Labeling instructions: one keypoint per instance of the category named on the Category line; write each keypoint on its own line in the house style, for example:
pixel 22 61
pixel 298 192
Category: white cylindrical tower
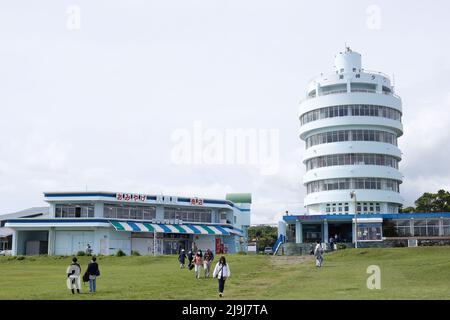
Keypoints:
pixel 350 122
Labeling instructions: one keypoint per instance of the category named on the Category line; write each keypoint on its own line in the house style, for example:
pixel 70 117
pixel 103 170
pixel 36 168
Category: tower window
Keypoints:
pixel 358 76
pixel 341 77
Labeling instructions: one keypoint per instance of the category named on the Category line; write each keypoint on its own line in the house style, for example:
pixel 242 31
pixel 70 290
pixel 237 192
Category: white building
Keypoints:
pixel 148 224
pixel 350 122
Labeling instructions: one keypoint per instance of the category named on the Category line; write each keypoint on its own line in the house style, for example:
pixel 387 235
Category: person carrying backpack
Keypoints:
pixel 73 276
pixel 222 273
pixel 92 273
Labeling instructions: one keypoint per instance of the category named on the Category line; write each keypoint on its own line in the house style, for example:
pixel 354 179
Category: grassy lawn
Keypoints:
pixel 406 273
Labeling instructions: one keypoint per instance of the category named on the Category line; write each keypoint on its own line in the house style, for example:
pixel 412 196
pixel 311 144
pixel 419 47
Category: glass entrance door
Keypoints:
pixel 171 246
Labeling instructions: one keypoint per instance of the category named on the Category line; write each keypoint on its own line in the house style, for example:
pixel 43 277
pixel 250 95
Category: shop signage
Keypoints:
pixel 166 199
pixel 131 197
pixel 196 202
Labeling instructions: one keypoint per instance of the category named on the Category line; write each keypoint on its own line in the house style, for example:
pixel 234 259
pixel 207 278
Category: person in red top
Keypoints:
pixel 207 259
pixel 198 262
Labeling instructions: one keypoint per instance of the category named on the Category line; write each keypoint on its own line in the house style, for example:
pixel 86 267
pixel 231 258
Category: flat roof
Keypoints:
pixel 348 217
pixel 108 194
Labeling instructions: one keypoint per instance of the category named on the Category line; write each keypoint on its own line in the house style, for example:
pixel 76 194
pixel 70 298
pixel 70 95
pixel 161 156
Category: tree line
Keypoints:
pixel 431 202
pixel 265 236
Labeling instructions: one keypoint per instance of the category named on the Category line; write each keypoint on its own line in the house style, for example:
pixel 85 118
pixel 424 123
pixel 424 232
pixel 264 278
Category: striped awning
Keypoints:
pixel 134 226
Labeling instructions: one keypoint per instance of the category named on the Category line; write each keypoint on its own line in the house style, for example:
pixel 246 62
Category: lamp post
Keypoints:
pixel 353 196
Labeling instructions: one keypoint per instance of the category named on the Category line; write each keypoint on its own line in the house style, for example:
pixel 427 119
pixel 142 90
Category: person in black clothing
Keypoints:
pixel 182 259
pixel 190 257
pixel 93 272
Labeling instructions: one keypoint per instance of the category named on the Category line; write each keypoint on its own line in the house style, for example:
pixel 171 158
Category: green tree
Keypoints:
pixel 433 202
pixel 265 235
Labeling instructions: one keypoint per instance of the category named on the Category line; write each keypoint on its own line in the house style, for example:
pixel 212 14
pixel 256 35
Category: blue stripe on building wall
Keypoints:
pixel 108 195
pixel 306 218
pixel 55 195
pixel 56 220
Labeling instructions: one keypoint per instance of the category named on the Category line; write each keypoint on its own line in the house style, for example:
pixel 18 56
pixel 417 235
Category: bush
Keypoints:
pixel 135 253
pixel 341 246
pixel 21 258
pixel 81 253
pixel 120 253
pixel 242 253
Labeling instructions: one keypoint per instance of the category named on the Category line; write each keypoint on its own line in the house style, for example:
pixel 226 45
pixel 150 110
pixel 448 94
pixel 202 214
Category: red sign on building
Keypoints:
pixel 196 202
pixel 131 197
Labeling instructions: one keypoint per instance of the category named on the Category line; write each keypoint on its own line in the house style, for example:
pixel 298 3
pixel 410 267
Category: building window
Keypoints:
pixel 353 183
pixel 369 232
pixel 351 110
pixel 446 227
pixel 432 227
pixel 351 135
pixel 403 228
pixel 74 210
pixel 188 214
pixel 420 228
pixel 352 159
pixel 126 212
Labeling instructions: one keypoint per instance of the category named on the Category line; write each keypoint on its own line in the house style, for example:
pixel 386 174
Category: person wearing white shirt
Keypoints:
pixel 318 253
pixel 222 273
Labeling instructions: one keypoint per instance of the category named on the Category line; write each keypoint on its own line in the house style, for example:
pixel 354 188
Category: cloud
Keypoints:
pixel 95 108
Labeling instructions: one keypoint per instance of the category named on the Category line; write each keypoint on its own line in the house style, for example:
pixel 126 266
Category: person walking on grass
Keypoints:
pixel 318 253
pixel 182 259
pixel 73 276
pixel 222 273
pixel 207 260
pixel 93 272
pixel 190 257
pixel 198 262
pixel 331 244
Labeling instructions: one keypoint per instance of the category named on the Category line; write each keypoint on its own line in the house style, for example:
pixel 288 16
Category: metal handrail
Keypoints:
pixel 352 91
pixel 377 72
pixel 364 90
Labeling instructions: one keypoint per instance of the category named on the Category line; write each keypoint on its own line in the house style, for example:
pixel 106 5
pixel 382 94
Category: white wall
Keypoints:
pixel 119 240
pixel 205 242
pixel 69 242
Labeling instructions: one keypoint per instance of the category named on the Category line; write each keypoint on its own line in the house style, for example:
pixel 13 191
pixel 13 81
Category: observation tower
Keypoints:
pixel 350 122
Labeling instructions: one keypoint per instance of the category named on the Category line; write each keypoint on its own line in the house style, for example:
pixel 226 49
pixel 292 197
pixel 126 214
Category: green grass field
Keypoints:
pixel 406 273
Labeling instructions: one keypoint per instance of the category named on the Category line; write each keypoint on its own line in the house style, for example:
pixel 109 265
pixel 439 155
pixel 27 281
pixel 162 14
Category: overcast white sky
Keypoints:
pixel 95 107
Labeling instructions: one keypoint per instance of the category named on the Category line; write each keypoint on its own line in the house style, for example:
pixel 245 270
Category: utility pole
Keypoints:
pixel 353 196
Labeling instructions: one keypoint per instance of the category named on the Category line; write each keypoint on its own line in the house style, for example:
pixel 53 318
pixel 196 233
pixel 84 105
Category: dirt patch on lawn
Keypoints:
pixel 289 260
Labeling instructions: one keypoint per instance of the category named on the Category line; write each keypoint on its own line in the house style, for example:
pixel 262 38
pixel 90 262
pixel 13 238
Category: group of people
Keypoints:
pixel 74 273
pixel 199 260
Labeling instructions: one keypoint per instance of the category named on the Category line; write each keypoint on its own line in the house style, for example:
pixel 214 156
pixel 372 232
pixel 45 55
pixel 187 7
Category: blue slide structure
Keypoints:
pixel 280 241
